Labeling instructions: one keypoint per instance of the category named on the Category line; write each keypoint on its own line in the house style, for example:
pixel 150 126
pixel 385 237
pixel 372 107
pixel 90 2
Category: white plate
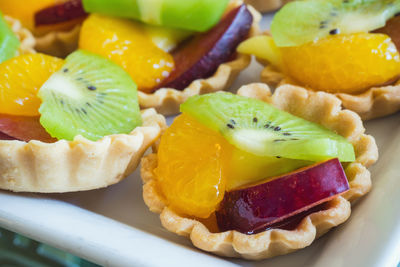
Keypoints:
pixel 113 227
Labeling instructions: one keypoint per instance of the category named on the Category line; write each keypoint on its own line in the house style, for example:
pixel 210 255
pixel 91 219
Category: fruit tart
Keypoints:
pixel 57 39
pixel 256 175
pixel 348 48
pixel 169 54
pixel 266 5
pixel 70 125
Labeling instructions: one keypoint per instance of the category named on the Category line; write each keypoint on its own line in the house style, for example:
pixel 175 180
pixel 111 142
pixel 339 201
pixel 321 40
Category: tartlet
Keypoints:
pixel 375 102
pixel 318 107
pixel 76 165
pixel 167 100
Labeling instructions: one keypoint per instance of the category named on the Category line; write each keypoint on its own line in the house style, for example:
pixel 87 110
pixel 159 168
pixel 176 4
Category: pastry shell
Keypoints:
pixel 167 100
pixel 24 35
pixel 375 102
pixel 77 165
pixel 319 107
pixel 266 5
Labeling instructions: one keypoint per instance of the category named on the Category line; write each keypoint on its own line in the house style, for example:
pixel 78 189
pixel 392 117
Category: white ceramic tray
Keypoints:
pixel 113 227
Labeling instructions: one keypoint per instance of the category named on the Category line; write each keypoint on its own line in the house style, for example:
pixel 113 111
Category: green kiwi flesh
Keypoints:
pixel 259 128
pixel 89 96
pixel 9 42
pixel 300 22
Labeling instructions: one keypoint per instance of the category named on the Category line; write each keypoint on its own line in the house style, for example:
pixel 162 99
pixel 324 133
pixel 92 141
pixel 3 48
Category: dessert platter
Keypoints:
pixel 132 135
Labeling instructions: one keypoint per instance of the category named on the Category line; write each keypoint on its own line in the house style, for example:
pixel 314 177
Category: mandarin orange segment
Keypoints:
pixel 343 63
pixel 126 43
pixel 192 162
pixel 24 10
pixel 20 79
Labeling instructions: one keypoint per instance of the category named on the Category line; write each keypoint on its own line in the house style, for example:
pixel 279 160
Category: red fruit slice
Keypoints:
pixel 200 57
pixel 3 136
pixel 256 208
pixel 62 12
pixel 23 128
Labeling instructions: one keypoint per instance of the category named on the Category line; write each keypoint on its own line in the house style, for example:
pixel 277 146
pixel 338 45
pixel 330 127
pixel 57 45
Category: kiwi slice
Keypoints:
pixel 301 22
pixel 89 96
pixel 259 128
pixel 9 42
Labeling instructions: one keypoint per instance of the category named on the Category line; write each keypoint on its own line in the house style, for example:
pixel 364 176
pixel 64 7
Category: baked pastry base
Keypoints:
pixel 77 165
pixel 319 107
pixel 167 100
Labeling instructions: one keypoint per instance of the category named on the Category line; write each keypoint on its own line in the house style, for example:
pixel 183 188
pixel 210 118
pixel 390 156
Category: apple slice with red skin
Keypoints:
pixel 258 207
pixel 23 128
pixel 200 56
pixel 392 29
pixel 3 136
pixel 65 11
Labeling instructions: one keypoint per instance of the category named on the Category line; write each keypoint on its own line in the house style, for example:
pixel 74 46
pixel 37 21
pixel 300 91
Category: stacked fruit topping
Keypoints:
pixel 239 141
pixel 87 95
pixel 325 44
pixel 156 56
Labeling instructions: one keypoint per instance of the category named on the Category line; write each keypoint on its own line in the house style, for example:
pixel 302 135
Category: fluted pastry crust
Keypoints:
pixel 167 100
pixel 318 107
pixel 24 35
pixel 77 165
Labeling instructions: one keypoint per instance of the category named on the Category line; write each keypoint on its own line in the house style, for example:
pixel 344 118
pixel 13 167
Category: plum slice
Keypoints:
pixel 200 56
pixel 259 207
pixel 62 12
pixel 23 128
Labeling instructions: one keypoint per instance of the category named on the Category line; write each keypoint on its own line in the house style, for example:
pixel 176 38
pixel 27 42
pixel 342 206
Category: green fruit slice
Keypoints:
pixel 259 128
pixel 301 22
pixel 9 42
pixel 194 15
pixel 89 96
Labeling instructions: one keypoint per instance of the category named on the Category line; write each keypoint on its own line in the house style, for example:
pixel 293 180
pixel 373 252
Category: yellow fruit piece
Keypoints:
pixel 262 46
pixel 20 79
pixel 343 63
pixel 24 10
pixel 192 162
pixel 126 43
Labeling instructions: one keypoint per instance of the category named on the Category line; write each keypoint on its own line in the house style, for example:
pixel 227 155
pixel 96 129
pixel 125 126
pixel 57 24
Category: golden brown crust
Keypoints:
pixel 319 107
pixel 375 102
pixel 77 165
pixel 59 43
pixel 167 100
pixel 24 35
pixel 266 5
